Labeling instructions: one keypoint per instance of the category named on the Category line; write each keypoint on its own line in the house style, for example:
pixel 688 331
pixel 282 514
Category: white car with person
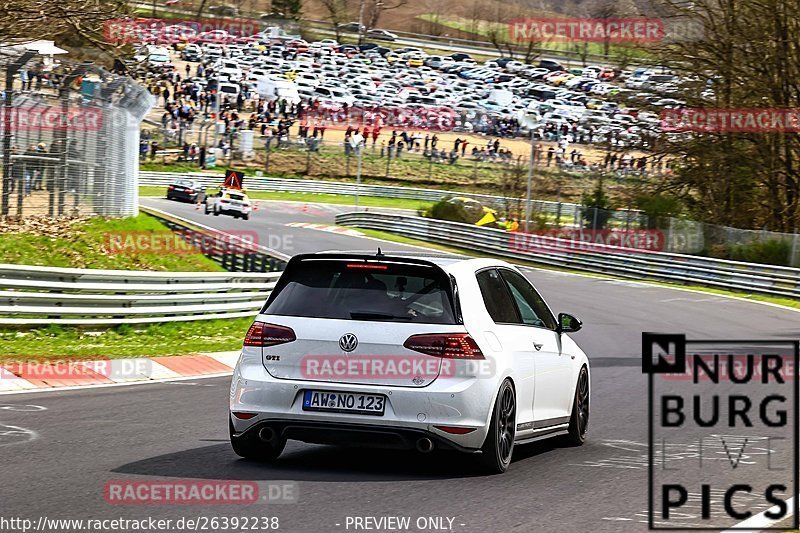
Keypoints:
pixel 233 202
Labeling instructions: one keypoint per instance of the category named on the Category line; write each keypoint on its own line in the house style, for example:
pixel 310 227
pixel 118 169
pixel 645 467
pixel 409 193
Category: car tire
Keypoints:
pixel 216 212
pixel 579 420
pixel 498 448
pixel 246 217
pixel 251 447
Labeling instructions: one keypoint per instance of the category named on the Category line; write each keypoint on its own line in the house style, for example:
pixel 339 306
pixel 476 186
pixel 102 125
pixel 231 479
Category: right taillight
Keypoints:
pixel 447 345
pixel 262 334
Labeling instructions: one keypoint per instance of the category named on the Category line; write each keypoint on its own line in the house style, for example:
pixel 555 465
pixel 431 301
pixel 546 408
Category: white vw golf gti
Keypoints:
pixel 407 352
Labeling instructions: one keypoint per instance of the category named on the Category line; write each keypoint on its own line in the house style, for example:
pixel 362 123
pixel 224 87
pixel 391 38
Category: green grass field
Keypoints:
pixel 484 29
pixel 177 338
pixel 84 243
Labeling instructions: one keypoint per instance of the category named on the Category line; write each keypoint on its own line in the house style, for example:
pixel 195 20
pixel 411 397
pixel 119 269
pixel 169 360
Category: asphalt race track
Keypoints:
pixel 58 459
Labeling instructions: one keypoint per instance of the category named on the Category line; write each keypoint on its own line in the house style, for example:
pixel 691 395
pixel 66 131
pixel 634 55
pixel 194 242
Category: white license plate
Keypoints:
pixel 344 402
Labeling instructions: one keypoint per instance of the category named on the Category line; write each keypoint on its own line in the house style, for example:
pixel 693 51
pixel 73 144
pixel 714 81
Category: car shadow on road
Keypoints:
pixel 305 462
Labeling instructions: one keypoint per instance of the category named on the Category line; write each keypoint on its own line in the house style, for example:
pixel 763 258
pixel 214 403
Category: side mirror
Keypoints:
pixel 568 323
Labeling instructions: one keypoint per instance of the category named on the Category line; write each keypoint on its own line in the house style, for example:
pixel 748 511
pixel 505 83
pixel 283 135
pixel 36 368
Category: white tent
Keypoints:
pixel 45 48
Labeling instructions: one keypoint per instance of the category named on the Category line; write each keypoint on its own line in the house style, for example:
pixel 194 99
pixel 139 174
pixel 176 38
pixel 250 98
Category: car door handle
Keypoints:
pixel 538 346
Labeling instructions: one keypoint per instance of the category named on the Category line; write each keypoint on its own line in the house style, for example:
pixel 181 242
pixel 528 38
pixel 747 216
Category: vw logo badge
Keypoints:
pixel 348 342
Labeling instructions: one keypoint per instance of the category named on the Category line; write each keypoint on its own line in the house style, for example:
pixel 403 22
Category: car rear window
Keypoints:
pixel 354 289
pixel 236 196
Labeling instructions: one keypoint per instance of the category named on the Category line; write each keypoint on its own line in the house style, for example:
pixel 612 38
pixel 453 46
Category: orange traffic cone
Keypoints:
pixel 305 208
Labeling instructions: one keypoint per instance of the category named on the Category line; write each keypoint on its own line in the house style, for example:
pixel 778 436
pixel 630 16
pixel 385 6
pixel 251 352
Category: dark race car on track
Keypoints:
pixel 186 190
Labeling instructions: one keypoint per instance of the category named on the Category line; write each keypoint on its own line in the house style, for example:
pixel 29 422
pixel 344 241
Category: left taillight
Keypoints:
pixel 446 345
pixel 263 334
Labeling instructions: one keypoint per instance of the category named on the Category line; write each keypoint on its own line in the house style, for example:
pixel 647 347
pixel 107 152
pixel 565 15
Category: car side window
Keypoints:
pixel 497 298
pixel 532 308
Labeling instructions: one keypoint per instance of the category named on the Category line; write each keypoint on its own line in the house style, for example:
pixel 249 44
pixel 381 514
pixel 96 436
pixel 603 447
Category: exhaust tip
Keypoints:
pixel 424 445
pixel 267 434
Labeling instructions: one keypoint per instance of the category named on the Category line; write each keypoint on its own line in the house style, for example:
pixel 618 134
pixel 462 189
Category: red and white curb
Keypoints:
pixel 326 227
pixel 43 376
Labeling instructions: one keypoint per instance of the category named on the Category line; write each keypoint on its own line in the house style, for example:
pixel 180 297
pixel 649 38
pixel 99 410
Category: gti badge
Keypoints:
pixel 348 342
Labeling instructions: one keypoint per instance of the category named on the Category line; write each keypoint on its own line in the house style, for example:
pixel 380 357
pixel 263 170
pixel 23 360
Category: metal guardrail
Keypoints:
pixel 31 296
pixel 36 296
pixel 232 252
pixel 254 183
pixel 439 42
pixel 586 257
pixel 442 42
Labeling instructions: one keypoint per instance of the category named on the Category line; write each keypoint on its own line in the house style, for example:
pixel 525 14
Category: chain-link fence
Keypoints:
pixel 70 139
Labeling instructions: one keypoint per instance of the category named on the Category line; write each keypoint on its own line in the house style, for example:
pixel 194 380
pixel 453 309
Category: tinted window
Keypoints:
pixel 356 290
pixel 497 298
pixel 532 308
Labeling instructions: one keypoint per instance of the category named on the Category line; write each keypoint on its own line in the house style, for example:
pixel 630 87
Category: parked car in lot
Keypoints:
pixel 275 65
pixel 551 65
pixel 192 52
pixel 460 354
pixel 186 190
pixel 233 202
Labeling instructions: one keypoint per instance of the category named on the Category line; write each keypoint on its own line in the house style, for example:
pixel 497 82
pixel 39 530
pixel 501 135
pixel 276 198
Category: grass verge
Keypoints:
pixel 83 243
pixel 177 338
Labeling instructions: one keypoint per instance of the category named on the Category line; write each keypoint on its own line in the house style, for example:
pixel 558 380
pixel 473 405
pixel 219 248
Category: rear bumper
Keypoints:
pixel 187 197
pixel 410 413
pixel 367 435
pixel 235 211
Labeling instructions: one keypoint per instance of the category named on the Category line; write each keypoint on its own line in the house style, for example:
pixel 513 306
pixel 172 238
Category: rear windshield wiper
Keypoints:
pixel 376 315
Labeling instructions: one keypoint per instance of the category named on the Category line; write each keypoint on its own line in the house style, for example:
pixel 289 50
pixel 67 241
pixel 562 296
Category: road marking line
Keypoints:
pixel 109 385
pixel 760 521
pixel 10 382
pixel 226 358
pixel 326 227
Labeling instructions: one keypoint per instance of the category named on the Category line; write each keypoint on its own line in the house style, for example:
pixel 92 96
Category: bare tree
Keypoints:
pixel 605 10
pixel 337 11
pixel 747 54
pixel 75 23
pixel 375 8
